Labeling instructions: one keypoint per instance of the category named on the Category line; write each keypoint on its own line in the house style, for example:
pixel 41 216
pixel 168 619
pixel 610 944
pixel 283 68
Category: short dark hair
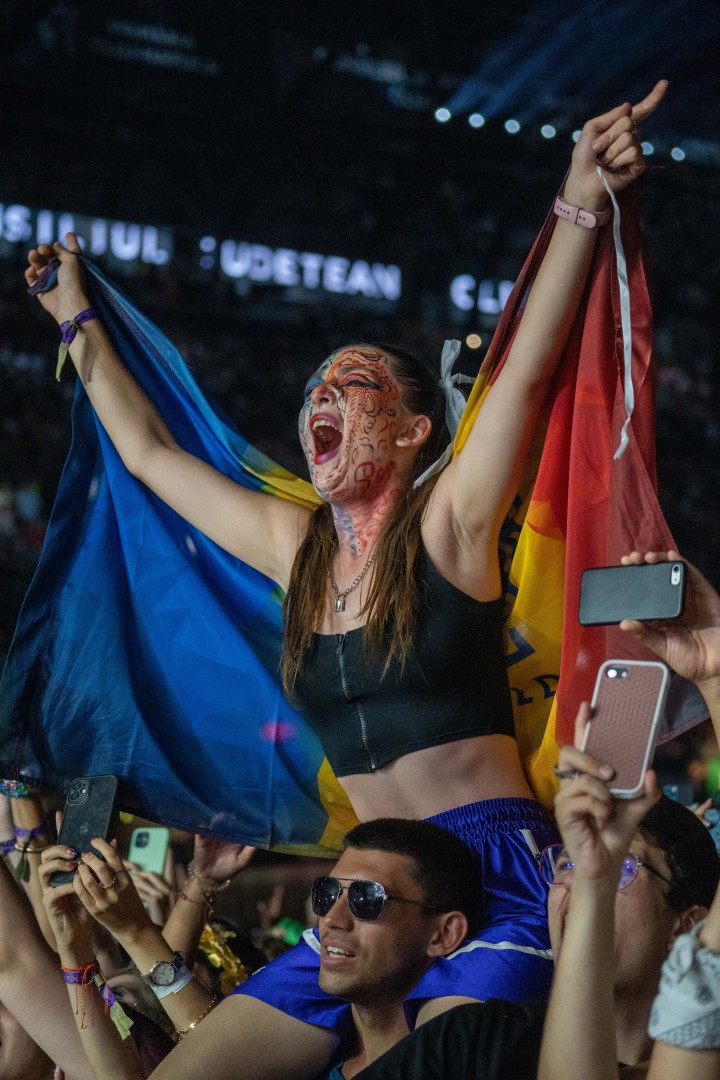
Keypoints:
pixel 689 851
pixel 441 864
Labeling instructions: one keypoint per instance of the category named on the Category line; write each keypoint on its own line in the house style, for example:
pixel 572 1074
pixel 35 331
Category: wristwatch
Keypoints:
pixel 169 976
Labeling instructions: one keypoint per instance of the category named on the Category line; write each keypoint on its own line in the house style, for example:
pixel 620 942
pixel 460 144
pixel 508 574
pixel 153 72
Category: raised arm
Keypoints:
pixel 579 1038
pixel 685 1014
pixel 31 985
pixel 475 490
pixel 214 864
pixel 261 530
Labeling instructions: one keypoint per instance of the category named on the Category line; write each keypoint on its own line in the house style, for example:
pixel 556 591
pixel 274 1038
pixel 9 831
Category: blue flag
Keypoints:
pixel 146 651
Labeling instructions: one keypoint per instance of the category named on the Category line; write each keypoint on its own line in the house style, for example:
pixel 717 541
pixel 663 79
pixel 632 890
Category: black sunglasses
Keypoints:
pixel 366 899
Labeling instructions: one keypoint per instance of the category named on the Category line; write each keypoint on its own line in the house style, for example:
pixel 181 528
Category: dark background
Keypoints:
pixel 311 126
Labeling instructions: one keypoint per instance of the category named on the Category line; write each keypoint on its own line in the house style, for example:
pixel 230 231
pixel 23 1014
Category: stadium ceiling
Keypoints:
pixel 237 110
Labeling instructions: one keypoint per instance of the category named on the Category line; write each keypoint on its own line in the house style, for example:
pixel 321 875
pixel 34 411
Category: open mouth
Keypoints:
pixel 327 437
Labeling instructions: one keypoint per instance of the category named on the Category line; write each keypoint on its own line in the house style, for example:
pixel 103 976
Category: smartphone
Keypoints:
pixel 149 847
pixel 89 810
pixel 628 702
pixel 609 594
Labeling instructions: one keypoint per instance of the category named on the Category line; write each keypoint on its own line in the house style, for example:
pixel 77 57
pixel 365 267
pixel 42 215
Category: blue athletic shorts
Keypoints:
pixel 508 958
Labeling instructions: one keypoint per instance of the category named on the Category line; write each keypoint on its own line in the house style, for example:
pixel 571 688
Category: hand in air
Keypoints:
pixel 154 891
pixel 613 142
pixel 596 828
pixel 69 921
pixel 216 860
pixel 106 891
pixel 69 297
pixel 689 645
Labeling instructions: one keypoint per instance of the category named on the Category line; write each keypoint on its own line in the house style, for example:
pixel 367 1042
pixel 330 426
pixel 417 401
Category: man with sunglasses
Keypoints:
pixel 401 895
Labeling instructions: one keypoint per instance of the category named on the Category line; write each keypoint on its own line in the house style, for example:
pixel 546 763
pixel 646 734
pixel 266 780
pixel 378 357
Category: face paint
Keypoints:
pixel 348 424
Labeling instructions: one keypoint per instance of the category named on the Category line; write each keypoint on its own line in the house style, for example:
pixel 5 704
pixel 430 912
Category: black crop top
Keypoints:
pixel 453 685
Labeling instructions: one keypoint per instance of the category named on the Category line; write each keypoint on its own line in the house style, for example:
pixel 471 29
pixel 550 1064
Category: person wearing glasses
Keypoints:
pixel 631 877
pixel 402 895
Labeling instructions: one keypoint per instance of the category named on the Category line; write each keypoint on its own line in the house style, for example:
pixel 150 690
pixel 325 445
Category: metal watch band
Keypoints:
pixel 589 219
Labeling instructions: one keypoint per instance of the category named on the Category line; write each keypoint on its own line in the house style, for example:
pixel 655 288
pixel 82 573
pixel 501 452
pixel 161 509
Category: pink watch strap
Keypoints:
pixel 577 216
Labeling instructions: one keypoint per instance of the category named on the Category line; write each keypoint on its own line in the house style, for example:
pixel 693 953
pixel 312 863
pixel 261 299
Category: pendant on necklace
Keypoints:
pixel 339 604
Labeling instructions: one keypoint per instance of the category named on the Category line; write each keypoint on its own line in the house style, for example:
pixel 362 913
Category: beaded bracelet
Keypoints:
pixel 207 890
pixel 15 789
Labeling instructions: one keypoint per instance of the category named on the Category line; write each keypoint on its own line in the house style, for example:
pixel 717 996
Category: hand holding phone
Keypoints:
pixel 88 813
pixel 645 591
pixel 149 847
pixel 628 702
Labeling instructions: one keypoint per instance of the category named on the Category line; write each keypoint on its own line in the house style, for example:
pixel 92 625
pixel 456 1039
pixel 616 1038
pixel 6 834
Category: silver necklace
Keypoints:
pixel 339 604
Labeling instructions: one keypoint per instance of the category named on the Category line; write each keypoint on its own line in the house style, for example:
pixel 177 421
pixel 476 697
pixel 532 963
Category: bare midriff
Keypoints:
pixel 439 778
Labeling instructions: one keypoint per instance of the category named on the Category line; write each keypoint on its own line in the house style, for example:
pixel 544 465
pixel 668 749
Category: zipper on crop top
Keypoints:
pixel 358 706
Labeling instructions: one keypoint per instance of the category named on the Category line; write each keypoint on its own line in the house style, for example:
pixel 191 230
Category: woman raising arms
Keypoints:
pixel 394 622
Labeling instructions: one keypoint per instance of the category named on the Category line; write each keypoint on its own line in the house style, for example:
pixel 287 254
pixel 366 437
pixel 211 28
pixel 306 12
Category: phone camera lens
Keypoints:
pixel 675 574
pixel 612 673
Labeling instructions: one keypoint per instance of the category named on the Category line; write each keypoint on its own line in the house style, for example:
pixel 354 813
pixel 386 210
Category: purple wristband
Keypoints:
pixel 80 976
pixel 69 331
pixel 70 327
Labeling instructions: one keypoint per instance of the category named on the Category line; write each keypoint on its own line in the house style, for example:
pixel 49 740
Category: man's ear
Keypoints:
pixel 451 931
pixel 414 430
pixel 685 921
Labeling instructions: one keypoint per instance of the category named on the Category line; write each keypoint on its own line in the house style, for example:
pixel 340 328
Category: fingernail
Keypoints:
pixel 597 144
pixel 606 771
pixel 86 854
pixel 70 851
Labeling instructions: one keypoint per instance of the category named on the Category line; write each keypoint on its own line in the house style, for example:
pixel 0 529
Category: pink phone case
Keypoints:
pixel 628 702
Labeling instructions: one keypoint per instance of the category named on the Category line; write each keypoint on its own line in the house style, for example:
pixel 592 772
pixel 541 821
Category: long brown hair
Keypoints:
pixel 391 600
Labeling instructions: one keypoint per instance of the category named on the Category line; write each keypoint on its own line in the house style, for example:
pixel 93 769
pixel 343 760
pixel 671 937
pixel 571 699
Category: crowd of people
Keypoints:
pixel 463 931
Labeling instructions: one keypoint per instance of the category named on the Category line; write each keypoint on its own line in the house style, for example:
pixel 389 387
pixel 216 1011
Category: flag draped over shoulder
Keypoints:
pixel 579 506
pixel 144 650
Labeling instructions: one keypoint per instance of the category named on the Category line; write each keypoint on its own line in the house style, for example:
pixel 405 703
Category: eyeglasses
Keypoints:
pixel 556 867
pixel 366 899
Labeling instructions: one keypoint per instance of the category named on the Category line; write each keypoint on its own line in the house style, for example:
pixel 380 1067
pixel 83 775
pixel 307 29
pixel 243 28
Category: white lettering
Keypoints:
pixel 45 227
pixel 98 237
pixel 488 296
pixel 460 291
pixel 16 222
pixel 261 263
pixel 234 258
pixel 334 273
pixel 389 279
pixel 285 271
pixel 151 250
pixel 66 224
pixel 125 241
pixel 361 280
pixel 311 265
pixel 487 301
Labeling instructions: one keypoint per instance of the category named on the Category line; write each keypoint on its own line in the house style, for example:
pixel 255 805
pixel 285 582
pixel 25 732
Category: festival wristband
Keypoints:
pixel 69 331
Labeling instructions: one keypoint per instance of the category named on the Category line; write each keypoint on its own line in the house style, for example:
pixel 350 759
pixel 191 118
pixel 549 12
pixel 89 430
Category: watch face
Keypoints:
pixel 163 973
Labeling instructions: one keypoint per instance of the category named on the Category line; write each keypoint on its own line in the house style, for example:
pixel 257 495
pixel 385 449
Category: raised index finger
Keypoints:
pixel 648 105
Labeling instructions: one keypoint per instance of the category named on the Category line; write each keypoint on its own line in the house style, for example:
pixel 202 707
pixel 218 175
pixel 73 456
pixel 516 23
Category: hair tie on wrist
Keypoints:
pixel 69 331
pixel 23 838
